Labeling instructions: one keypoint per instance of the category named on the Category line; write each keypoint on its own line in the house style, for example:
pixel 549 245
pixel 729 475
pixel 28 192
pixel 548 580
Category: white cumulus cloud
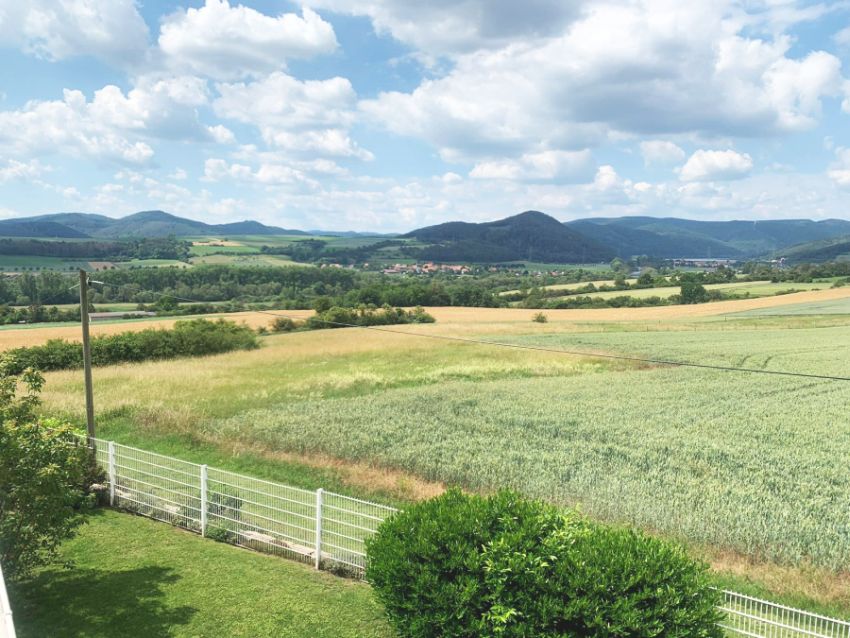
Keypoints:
pixel 224 41
pixel 71 126
pixel 306 117
pixel 709 165
pixel 14 169
pixel 643 68
pixel 445 27
pixel 563 166
pixel 111 30
pixel 839 173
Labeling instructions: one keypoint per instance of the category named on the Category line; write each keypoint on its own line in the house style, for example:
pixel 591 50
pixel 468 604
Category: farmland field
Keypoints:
pixel 749 466
pixel 574 286
pixel 750 288
pixel 466 321
pixel 17 263
pixel 257 259
pixel 828 307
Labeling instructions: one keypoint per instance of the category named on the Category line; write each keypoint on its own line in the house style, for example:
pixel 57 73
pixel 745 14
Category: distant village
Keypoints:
pixel 427 268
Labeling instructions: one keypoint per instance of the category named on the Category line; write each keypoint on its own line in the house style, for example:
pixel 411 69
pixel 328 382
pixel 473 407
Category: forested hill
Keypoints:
pixel 837 248
pixel 152 223
pixel 529 236
pixel 671 237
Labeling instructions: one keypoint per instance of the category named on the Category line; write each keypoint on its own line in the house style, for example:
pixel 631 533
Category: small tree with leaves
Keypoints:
pixel 44 477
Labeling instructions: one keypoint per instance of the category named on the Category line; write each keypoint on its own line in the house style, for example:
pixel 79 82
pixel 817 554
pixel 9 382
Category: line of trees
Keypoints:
pixel 285 287
pixel 143 248
pixel 195 337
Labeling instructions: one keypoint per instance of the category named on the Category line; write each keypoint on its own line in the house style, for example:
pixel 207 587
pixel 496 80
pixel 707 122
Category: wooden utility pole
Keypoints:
pixel 84 317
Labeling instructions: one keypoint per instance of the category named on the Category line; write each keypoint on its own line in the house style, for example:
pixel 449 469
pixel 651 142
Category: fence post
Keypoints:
pixel 203 500
pixel 319 493
pixel 112 474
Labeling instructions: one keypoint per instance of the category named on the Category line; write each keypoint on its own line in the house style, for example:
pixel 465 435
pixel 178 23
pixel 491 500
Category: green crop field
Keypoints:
pixel 151 263
pixel 200 251
pixel 245 260
pixel 739 461
pixel 748 288
pixel 832 307
pixel 745 465
pixel 18 263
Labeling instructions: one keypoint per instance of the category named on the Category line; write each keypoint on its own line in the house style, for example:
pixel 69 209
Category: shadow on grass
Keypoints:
pixel 97 603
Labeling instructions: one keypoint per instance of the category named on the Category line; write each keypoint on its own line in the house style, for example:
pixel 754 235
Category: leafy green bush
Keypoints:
pixel 539 317
pixel 195 337
pixel 44 478
pixel 338 317
pixel 468 566
pixel 283 324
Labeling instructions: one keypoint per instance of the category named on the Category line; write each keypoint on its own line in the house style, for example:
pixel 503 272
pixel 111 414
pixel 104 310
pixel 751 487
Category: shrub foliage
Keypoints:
pixel 337 317
pixel 187 338
pixel 469 566
pixel 44 478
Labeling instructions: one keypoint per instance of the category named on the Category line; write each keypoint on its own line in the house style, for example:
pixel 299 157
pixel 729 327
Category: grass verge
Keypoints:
pixel 134 577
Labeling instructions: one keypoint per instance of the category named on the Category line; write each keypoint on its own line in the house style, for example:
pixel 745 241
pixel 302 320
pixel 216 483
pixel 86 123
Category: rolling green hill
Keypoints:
pixel 837 248
pixel 670 237
pixel 529 236
pixel 36 228
pixel 152 223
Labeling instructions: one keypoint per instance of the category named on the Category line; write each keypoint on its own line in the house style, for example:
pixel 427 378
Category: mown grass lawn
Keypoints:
pixel 132 577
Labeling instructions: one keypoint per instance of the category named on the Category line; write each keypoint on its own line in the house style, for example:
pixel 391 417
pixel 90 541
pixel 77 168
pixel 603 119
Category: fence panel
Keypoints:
pixel 748 616
pixel 154 485
pixel 263 515
pixel 331 529
pixel 345 525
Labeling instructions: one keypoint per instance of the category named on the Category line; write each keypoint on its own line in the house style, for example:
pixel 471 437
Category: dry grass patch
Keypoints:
pixel 820 585
pixel 361 476
pixel 217 242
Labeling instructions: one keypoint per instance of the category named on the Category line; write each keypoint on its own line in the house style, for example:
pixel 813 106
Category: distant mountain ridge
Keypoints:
pixel 670 237
pixel 529 236
pixel 151 223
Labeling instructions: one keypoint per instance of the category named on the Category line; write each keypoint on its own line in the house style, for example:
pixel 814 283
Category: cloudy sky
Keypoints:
pixel 391 114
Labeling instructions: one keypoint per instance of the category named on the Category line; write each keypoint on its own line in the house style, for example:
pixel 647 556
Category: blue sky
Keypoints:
pixel 392 114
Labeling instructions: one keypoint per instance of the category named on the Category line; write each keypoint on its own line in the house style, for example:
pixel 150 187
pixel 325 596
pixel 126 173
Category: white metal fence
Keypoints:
pixel 748 616
pixel 330 529
pixel 7 627
pixel 322 527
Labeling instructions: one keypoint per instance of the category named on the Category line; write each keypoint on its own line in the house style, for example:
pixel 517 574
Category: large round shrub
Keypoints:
pixel 469 566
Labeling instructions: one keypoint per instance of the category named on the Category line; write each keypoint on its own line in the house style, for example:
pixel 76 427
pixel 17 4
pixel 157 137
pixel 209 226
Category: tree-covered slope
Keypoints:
pixel 151 223
pixel 529 236
pixel 670 237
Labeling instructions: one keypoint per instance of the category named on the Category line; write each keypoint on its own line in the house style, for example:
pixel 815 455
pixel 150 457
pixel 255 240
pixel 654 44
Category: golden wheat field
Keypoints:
pixel 452 320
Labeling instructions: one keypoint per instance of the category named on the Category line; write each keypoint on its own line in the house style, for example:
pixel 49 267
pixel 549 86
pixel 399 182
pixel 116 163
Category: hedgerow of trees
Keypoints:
pixel 189 338
pixel 142 248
